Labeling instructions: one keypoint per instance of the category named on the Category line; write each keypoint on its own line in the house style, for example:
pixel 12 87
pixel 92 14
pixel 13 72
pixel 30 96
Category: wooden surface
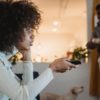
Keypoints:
pixel 94 72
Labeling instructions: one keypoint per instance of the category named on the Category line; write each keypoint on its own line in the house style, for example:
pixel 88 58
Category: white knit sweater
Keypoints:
pixel 27 89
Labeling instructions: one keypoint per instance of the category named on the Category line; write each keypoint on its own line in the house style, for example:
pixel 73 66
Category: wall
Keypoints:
pixel 71 28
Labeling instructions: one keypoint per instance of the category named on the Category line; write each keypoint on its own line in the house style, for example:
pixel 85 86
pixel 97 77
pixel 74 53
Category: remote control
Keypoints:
pixel 76 62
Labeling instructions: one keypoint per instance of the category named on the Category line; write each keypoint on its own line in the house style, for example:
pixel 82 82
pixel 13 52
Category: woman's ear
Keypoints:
pixel 21 39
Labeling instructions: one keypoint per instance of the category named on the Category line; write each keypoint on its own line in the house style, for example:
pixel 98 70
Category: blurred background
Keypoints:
pixel 63 28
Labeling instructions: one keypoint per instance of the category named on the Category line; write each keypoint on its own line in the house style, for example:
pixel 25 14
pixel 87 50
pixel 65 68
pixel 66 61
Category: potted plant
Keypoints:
pixel 79 53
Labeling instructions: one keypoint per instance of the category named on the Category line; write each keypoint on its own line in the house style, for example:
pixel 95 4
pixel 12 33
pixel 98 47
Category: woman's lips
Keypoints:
pixel 31 43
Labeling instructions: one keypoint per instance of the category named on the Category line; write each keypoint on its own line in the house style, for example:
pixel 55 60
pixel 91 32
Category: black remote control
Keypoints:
pixel 76 62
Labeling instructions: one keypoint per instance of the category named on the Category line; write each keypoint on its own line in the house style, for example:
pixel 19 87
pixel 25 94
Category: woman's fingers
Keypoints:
pixel 61 65
pixel 69 63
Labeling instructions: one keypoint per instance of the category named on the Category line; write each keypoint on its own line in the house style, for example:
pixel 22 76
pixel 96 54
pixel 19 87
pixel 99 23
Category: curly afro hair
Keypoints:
pixel 14 17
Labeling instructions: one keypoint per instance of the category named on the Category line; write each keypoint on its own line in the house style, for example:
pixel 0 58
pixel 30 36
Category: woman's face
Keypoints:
pixel 27 39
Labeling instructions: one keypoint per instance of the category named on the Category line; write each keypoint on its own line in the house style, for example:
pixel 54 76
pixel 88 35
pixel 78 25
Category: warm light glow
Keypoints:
pixel 55 23
pixel 55 45
pixel 55 26
pixel 38 58
pixel 55 29
pixel 62 29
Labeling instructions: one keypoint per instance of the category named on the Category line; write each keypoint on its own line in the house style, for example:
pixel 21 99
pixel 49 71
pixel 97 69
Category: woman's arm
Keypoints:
pixel 27 72
pixel 8 83
pixel 12 88
pixel 27 66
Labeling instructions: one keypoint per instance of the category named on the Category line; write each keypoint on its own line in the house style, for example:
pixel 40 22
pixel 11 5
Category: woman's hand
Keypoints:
pixel 61 65
pixel 26 54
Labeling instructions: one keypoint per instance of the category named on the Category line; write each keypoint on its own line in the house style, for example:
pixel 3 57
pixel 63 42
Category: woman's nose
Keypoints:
pixel 32 37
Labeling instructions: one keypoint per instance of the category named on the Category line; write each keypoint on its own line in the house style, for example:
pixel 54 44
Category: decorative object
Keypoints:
pixel 13 59
pixel 79 53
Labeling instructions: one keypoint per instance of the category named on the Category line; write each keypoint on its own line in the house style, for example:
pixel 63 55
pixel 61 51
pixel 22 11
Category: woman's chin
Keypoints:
pixel 25 48
pixel 31 44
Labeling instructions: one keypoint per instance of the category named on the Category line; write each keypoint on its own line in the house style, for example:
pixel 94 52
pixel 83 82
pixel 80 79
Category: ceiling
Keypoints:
pixel 70 16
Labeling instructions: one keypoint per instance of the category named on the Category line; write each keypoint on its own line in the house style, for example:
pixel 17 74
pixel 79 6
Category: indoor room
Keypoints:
pixel 54 61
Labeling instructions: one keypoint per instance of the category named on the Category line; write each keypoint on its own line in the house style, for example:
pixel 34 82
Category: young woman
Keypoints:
pixel 18 21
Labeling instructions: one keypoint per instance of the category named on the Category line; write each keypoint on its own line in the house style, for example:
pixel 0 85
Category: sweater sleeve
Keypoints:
pixel 40 83
pixel 25 68
pixel 12 88
pixel 8 83
pixel 27 72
